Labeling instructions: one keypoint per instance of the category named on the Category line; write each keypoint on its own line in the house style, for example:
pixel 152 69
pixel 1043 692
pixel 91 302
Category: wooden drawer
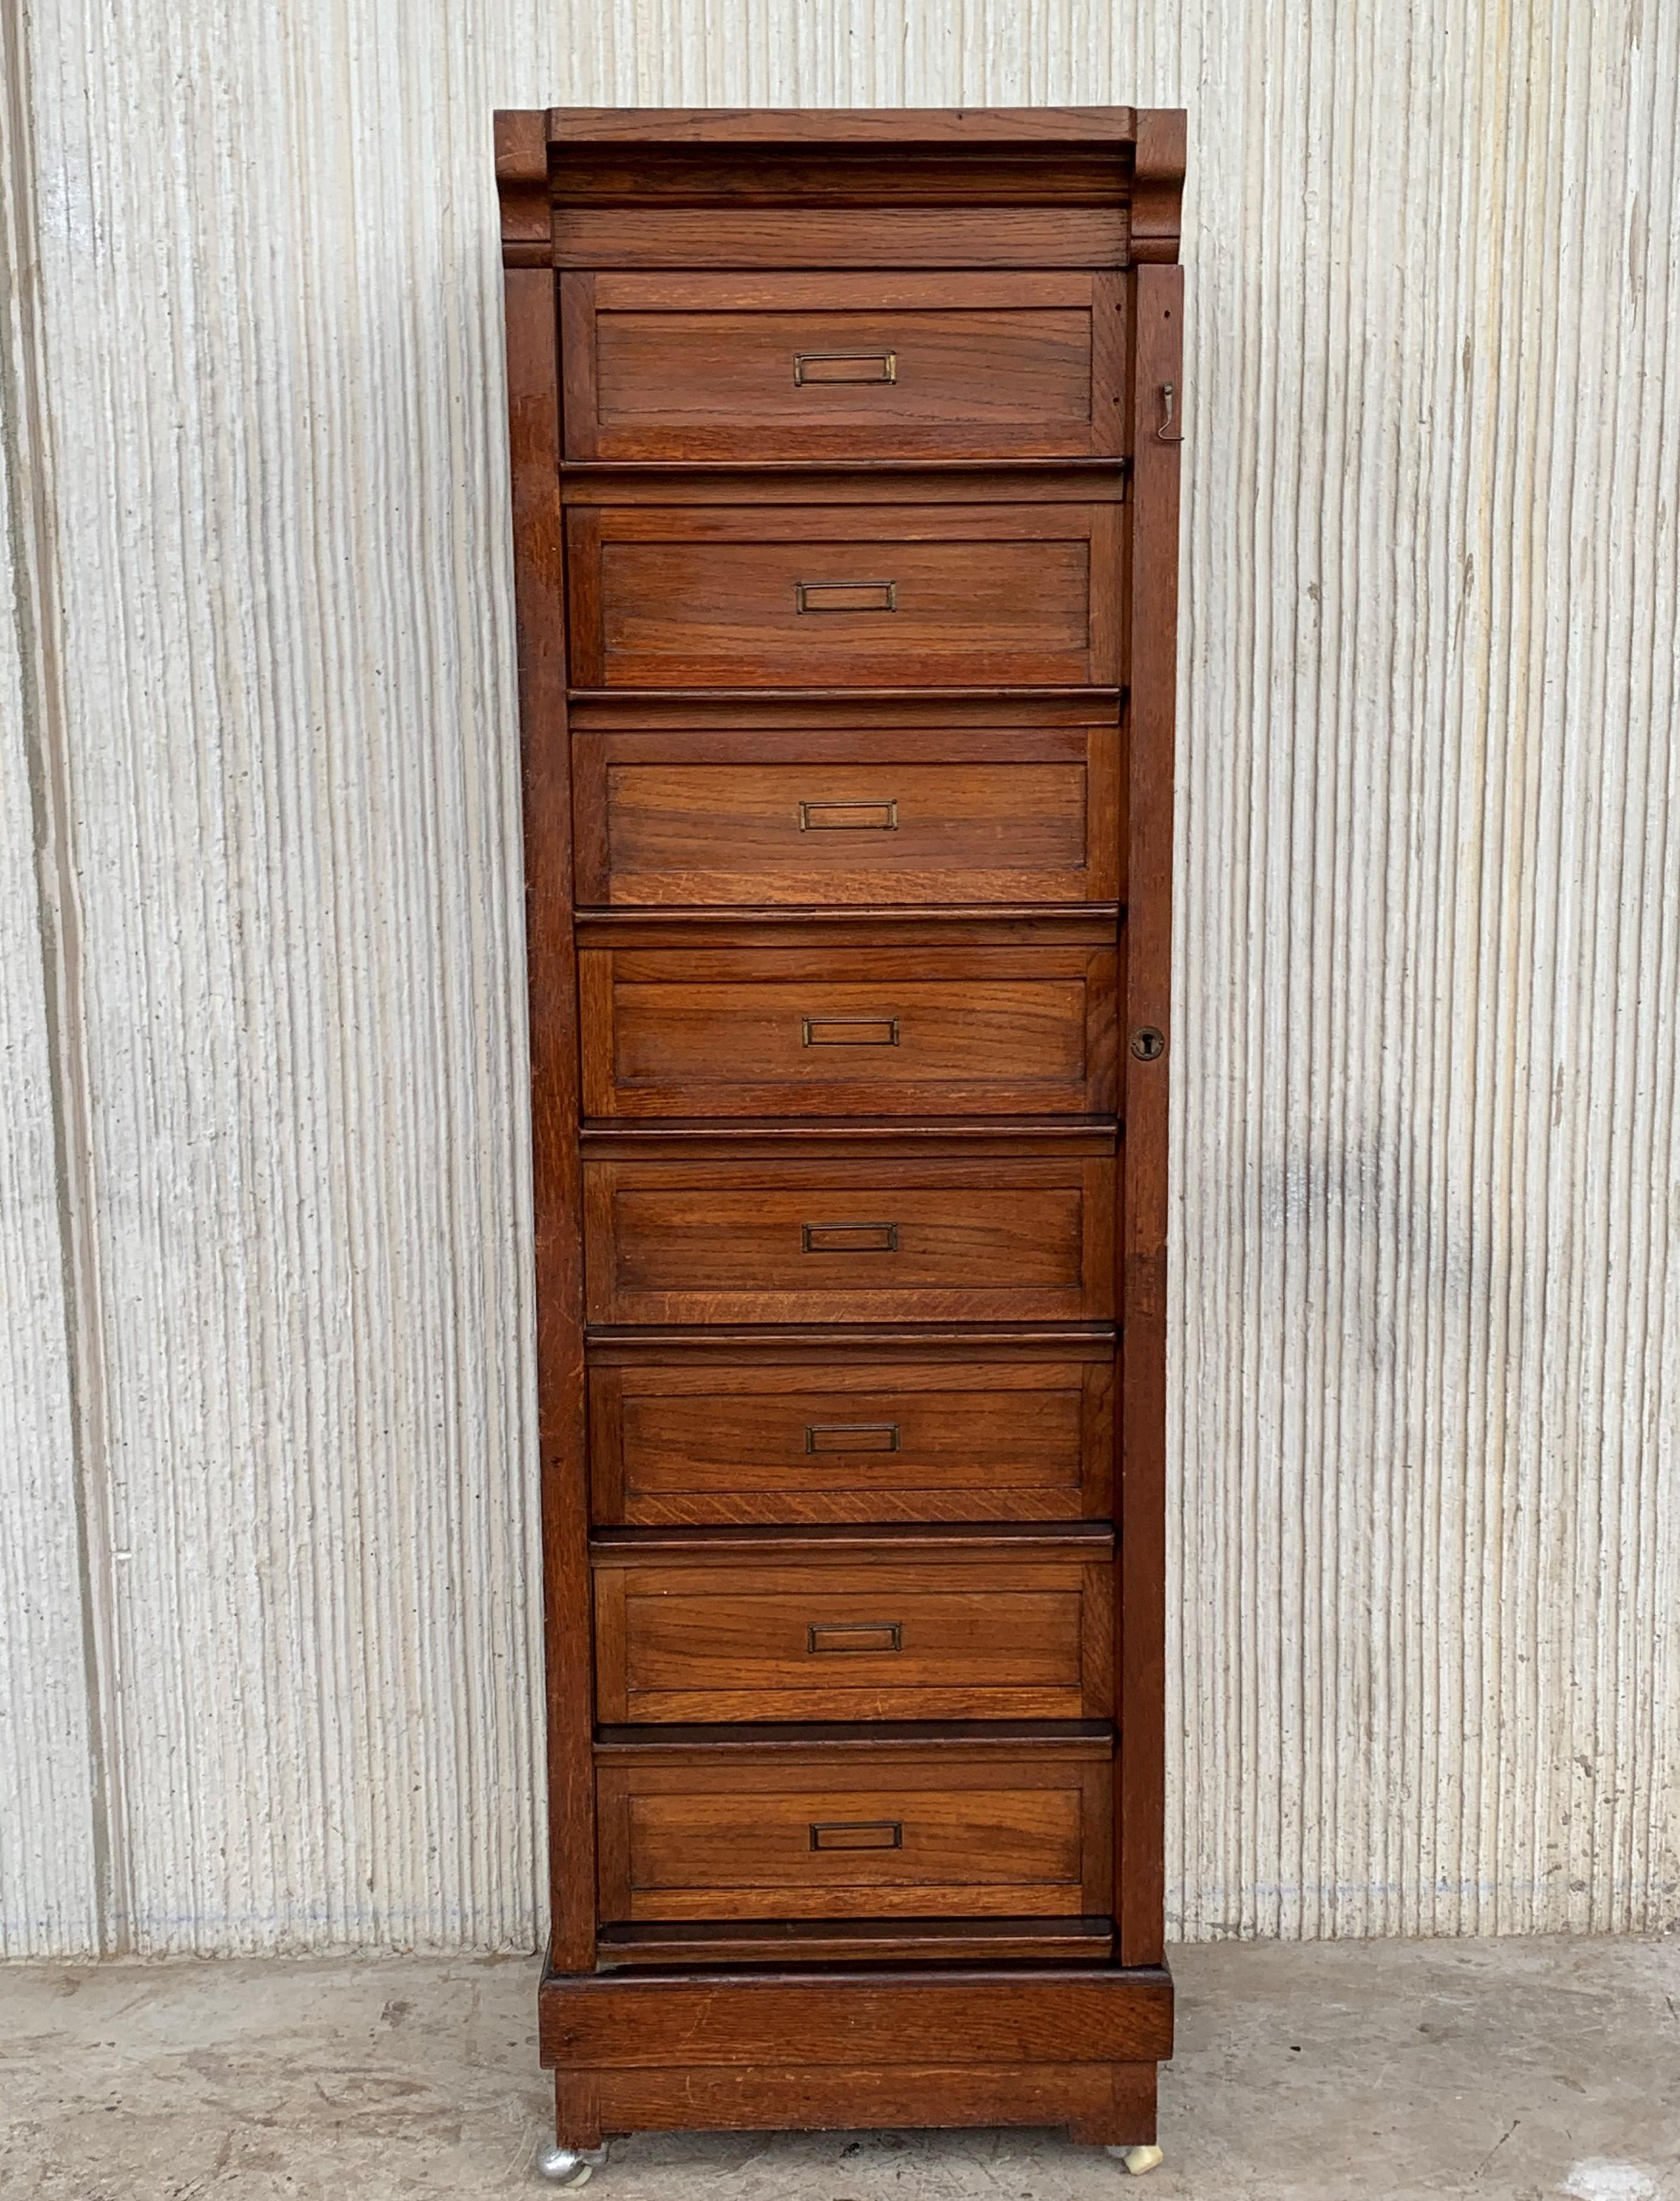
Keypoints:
pixel 829 595
pixel 916 1030
pixel 1016 1624
pixel 688 818
pixel 934 1240
pixel 882 1831
pixel 674 1442
pixel 676 365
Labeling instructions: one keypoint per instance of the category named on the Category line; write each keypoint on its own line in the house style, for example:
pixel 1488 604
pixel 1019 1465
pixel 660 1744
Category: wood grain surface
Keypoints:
pixel 699 595
pixel 976 2018
pixel 881 1032
pixel 850 1028
pixel 799 367
pixel 948 1836
pixel 672 1443
pixel 963 815
pixel 895 1634
pixel 898 1241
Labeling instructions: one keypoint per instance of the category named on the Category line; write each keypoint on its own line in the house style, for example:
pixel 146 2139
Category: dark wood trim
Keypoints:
pixel 1154 138
pixel 1152 632
pixel 989 234
pixel 803 1941
pixel 912 1538
pixel 600 708
pixel 928 1342
pixel 1111 2104
pixel 534 432
pixel 1021 128
pixel 1075 924
pixel 1158 183
pixel 1099 470
pixel 696 1139
pixel 905 1739
pixel 654 2020
pixel 579 397
pixel 522 182
pixel 860 481
pixel 582 613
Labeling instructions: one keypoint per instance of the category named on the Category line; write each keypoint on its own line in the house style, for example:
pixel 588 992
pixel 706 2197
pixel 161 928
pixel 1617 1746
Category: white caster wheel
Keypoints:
pixel 569 2166
pixel 1136 2160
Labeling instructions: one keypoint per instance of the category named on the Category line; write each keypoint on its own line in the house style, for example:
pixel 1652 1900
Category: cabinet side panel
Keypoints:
pixel 534 430
pixel 1151 617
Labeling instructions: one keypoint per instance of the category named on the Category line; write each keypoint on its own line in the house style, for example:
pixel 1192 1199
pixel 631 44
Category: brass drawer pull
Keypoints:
pixel 819 366
pixel 855 1635
pixel 848 1237
pixel 858 1834
pixel 849 1032
pixel 848 817
pixel 851 596
pixel 851 1436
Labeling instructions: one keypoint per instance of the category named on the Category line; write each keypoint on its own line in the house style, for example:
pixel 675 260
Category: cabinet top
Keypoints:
pixel 852 125
pixel 1127 156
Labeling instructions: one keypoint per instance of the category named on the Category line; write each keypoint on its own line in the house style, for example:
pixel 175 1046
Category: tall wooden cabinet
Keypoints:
pixel 845 508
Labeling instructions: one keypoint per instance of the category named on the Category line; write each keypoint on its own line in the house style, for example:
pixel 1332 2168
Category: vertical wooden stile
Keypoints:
pixel 539 587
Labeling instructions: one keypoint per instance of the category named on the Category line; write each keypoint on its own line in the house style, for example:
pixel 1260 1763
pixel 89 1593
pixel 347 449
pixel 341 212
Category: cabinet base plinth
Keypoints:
pixel 845 2048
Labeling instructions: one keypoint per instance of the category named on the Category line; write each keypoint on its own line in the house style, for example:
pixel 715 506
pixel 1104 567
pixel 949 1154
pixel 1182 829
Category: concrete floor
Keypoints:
pixel 1506 2070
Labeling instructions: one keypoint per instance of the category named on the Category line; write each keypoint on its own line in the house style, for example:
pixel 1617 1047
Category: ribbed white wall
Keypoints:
pixel 1426 1545
pixel 49 1864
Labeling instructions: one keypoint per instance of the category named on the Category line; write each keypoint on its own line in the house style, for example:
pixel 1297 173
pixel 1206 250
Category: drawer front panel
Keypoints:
pixel 712 1639
pixel 800 367
pixel 873 1031
pixel 887 596
pixel 889 236
pixel 998 1240
pixel 897 1838
pixel 1028 1441
pixel 1032 816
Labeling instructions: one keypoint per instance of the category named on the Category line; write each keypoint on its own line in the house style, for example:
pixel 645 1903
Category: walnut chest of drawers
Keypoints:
pixel 845 511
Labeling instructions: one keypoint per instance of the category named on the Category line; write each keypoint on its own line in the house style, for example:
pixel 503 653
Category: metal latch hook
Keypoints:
pixel 1169 400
